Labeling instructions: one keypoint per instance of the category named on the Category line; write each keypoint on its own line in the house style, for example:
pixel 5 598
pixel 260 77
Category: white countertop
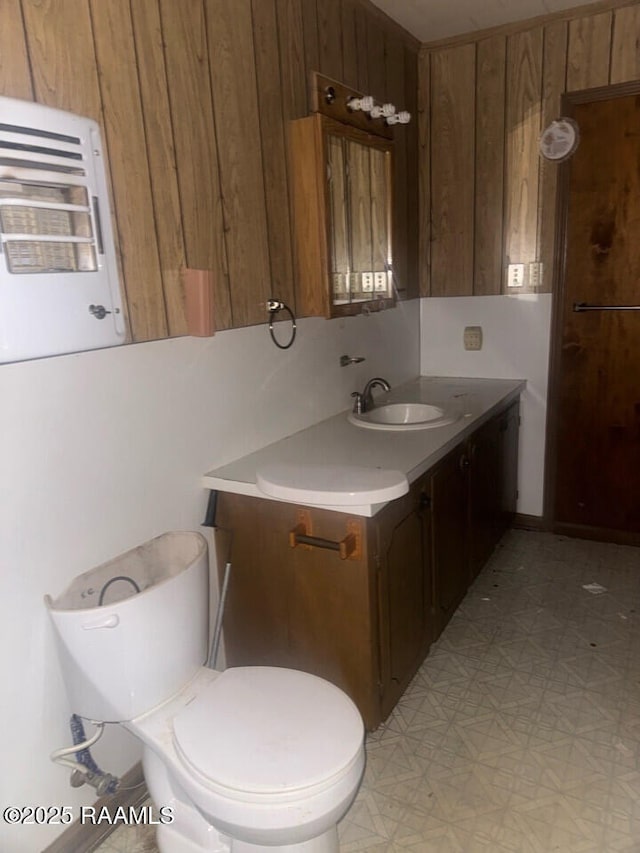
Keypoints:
pixel 337 442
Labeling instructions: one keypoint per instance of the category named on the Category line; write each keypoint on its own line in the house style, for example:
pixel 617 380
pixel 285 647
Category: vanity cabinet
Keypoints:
pixel 365 620
pixel 341 189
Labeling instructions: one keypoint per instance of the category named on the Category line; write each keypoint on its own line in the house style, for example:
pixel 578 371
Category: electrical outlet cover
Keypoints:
pixel 380 279
pixel 515 275
pixel 472 337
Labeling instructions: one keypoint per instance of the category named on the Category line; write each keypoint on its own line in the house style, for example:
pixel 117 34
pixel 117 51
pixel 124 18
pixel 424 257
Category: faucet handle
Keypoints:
pixel 357 403
pixel 350 359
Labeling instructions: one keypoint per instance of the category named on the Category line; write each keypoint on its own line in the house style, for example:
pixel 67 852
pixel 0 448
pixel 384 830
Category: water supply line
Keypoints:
pixel 85 770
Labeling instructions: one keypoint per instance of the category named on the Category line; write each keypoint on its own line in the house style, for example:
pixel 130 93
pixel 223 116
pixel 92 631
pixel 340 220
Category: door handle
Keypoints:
pixel 584 306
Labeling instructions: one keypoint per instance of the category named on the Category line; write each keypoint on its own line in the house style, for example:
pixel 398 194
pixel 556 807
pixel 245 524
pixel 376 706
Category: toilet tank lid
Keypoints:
pixel 269 730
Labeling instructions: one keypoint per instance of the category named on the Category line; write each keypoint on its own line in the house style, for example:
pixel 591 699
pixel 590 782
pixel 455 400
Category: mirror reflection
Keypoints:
pixel 360 221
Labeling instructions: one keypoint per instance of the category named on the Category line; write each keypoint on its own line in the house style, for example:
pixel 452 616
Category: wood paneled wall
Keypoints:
pixel 487 198
pixel 194 98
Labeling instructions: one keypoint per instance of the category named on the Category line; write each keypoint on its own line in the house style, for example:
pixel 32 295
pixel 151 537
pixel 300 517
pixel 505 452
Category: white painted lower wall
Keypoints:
pixel 516 333
pixel 103 450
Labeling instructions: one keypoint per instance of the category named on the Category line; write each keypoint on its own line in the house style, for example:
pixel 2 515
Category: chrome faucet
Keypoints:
pixel 364 402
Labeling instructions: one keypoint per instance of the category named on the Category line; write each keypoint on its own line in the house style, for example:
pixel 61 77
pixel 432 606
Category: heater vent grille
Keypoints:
pixel 52 186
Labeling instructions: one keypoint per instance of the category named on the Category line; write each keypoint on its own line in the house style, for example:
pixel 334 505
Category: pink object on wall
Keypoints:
pixel 198 292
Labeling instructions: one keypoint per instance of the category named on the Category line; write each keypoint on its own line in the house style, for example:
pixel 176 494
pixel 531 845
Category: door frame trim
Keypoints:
pixel 568 102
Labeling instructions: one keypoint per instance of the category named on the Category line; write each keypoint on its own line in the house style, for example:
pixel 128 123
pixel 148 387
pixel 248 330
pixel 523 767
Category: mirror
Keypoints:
pixel 359 208
pixel 341 187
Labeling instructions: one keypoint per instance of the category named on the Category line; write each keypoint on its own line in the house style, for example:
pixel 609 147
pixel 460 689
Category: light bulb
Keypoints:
pixel 399 118
pixel 384 111
pixel 365 104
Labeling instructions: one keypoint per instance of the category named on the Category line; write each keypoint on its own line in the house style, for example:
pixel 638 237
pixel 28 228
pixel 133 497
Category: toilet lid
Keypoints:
pixel 269 730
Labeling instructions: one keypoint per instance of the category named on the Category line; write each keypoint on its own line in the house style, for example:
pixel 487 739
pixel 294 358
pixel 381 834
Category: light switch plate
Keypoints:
pixel 367 282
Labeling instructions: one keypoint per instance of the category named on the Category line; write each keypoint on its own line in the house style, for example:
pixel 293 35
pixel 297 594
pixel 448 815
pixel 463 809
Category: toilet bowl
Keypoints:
pixel 248 759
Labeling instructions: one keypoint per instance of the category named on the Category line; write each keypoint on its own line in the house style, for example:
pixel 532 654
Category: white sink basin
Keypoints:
pixel 403 416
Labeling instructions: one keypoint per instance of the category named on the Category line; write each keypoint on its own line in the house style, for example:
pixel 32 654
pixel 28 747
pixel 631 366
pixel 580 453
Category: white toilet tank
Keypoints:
pixel 137 649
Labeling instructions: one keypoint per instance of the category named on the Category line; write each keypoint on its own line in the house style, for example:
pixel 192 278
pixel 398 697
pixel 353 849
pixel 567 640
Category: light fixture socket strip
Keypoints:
pixel 345 104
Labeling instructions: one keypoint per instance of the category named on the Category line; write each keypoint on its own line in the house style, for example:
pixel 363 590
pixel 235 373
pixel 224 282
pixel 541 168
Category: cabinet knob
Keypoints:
pixel 425 501
pixel 465 462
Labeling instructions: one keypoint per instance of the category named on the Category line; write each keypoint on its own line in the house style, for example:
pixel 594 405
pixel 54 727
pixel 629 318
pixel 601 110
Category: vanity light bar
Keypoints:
pixel 376 111
pixel 342 103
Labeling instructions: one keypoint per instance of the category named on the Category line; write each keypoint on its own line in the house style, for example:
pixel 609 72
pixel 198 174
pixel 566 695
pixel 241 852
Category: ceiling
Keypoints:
pixel 431 20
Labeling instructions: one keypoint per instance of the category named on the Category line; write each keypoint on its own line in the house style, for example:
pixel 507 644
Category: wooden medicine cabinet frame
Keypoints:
pixel 329 257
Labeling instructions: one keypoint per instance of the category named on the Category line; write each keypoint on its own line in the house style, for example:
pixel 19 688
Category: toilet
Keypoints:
pixel 248 759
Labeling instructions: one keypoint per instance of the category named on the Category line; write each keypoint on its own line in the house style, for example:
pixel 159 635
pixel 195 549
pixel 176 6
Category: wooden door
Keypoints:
pixel 597 454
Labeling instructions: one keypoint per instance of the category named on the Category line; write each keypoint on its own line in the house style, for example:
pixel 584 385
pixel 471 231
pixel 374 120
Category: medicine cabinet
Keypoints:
pixel 341 184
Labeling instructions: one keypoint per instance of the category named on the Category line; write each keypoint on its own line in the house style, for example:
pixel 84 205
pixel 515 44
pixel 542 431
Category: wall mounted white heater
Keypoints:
pixel 59 288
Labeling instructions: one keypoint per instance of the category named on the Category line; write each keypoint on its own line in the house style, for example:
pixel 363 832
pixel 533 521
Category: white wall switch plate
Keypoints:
pixel 472 337
pixel 515 275
pixel 367 282
pixel 380 282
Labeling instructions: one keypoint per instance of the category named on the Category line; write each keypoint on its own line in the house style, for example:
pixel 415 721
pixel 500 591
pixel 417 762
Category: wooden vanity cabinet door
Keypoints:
pixel 485 499
pixel 252 535
pixel 333 618
pixel 449 529
pixel 509 433
pixel 493 476
pixel 302 607
pixel 405 590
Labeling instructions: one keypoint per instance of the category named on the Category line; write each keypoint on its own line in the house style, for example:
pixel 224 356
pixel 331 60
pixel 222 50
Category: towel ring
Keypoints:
pixel 274 306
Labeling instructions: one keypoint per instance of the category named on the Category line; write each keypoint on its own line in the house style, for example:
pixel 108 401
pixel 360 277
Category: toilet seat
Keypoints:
pixel 268 731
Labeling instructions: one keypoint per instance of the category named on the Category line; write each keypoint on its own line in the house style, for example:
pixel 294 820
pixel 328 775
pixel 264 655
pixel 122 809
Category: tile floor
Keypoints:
pixel 521 731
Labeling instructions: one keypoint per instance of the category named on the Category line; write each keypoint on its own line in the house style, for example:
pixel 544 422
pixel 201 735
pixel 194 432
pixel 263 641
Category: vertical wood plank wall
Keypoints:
pixel 484 100
pixel 194 99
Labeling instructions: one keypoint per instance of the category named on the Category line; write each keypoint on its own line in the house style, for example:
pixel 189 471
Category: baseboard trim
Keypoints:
pixel 598 534
pixel 85 837
pixel 529 522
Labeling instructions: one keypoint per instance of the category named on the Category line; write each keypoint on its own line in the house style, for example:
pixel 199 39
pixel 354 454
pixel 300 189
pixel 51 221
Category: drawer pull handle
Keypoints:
pixel 347 547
